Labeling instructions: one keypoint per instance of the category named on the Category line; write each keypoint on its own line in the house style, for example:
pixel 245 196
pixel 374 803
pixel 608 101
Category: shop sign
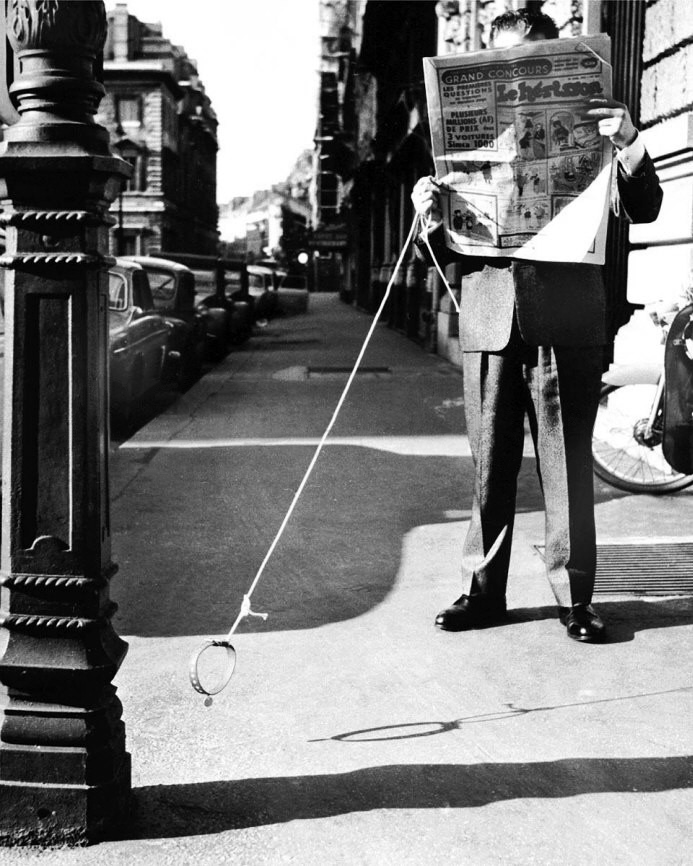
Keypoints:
pixel 330 238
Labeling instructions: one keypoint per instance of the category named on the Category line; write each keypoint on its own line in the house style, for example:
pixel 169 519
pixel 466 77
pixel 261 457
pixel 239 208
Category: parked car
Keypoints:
pixel 138 338
pixel 173 291
pixel 262 287
pixel 229 311
pixel 293 294
pixel 242 305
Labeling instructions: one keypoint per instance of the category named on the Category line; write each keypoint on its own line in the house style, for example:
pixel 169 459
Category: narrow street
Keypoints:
pixel 212 476
pixel 352 730
pixel 229 456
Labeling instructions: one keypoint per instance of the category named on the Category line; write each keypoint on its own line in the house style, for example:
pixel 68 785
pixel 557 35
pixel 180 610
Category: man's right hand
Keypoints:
pixel 426 199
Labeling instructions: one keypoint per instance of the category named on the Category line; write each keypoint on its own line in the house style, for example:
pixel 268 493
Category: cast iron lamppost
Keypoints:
pixel 128 151
pixel 64 770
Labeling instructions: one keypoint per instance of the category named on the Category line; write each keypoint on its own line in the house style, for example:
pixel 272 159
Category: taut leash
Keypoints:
pixel 427 225
pixel 225 643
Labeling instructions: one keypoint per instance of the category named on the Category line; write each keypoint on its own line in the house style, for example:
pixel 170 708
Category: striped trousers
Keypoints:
pixel 557 389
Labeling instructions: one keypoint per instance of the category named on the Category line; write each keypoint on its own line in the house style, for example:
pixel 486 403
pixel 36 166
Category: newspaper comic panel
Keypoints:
pixel 523 172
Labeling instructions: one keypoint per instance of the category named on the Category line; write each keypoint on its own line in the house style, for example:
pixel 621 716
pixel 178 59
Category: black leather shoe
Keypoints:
pixel 472 611
pixel 583 623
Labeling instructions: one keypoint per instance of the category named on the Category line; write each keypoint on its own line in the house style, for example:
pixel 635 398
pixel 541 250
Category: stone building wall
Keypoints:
pixel 667 85
pixel 153 134
pixel 162 121
pixel 661 260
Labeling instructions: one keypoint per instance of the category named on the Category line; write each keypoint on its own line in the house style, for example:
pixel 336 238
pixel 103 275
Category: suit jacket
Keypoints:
pixel 556 304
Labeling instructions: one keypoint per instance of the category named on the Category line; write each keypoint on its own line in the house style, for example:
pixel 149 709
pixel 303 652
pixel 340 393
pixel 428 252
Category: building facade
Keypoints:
pixel 373 133
pixel 270 223
pixel 334 158
pixel 665 248
pixel 161 120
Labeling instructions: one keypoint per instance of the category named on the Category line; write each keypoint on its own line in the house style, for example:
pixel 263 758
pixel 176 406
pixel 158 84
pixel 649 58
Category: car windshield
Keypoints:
pixel 117 292
pixel 232 283
pixel 163 286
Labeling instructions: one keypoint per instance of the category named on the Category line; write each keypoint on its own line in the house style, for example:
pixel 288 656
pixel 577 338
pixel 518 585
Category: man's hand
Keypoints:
pixel 426 199
pixel 614 121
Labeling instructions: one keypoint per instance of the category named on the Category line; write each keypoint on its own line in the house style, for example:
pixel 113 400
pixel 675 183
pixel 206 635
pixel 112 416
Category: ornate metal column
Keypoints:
pixel 64 771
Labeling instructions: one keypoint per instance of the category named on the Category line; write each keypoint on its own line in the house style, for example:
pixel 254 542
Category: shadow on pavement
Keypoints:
pixel 191 531
pixel 625 617
pixel 186 562
pixel 213 807
pixel 143 411
pixel 416 730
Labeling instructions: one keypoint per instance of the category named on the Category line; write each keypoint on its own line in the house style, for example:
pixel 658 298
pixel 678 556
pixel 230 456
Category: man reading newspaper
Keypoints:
pixel 532 335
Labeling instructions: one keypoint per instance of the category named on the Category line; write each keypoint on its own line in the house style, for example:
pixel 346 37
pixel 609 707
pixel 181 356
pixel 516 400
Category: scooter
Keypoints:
pixel 643 436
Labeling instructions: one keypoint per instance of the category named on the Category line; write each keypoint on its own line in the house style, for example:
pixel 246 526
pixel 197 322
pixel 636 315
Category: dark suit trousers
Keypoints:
pixel 557 389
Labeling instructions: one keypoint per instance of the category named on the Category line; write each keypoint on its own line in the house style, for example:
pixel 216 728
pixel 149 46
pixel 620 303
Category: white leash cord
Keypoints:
pixel 331 424
pixel 245 606
pixel 435 261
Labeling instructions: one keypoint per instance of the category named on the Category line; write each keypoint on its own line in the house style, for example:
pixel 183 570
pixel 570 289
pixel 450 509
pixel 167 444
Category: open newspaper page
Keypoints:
pixel 523 172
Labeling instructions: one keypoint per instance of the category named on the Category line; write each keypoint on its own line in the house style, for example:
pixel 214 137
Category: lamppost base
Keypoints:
pixel 47 815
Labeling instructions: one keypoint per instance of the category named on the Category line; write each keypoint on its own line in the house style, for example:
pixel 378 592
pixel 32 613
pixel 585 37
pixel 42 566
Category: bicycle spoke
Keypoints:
pixel 619 457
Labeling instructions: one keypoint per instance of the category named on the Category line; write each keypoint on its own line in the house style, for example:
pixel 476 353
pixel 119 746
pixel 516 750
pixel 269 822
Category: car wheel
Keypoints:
pixel 241 327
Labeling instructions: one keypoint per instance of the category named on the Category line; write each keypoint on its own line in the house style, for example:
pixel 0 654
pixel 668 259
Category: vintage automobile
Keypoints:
pixel 229 310
pixel 293 294
pixel 262 287
pixel 242 307
pixel 138 339
pixel 225 306
pixel 173 291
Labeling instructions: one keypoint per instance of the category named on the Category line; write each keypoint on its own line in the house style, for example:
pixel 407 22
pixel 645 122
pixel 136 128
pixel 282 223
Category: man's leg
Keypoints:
pixel 494 400
pixel 564 389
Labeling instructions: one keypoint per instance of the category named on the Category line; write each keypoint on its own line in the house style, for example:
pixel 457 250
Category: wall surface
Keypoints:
pixel 171 139
pixel 664 272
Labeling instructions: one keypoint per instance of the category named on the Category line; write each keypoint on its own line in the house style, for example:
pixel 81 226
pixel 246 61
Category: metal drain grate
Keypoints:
pixel 662 568
pixel 345 371
pixel 292 341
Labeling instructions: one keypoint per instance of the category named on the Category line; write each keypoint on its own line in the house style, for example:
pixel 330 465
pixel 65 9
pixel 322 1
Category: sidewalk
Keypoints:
pixel 353 732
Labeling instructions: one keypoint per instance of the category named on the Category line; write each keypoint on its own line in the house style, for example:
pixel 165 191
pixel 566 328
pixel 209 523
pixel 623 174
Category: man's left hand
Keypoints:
pixel 614 121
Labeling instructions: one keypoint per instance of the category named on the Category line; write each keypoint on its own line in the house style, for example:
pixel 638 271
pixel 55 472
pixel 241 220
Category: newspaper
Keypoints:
pixel 523 172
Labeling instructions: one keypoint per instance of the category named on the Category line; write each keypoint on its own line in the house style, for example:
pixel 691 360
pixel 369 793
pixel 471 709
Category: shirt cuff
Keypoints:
pixel 632 156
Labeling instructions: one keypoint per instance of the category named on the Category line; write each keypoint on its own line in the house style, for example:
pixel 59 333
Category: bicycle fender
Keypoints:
pixel 677 444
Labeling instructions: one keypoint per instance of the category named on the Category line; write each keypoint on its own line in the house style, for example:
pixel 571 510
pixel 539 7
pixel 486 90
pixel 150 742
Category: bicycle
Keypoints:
pixel 629 431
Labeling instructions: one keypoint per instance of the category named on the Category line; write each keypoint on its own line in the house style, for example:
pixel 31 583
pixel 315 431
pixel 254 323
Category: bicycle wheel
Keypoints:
pixel 621 456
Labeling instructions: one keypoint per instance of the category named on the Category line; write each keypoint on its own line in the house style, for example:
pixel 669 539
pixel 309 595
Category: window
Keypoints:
pixel 141 290
pixel 137 182
pixel 129 110
pixel 128 244
pixel 163 286
pixel 117 293
pixel 232 284
pixel 256 281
